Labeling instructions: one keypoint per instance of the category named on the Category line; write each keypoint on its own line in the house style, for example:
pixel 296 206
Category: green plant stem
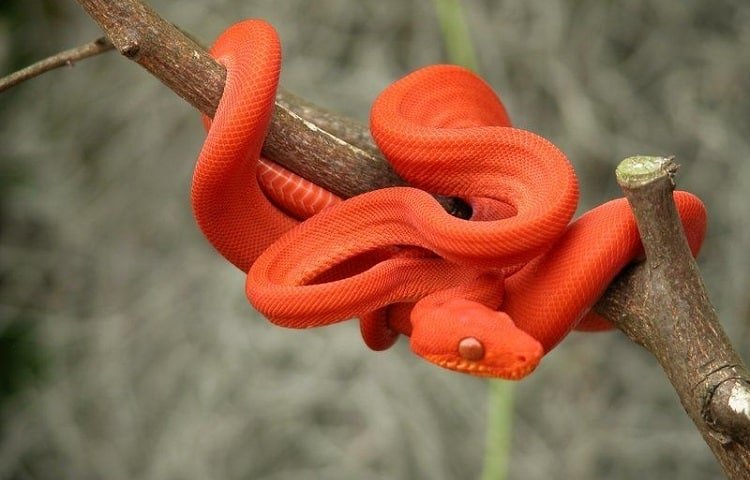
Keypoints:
pixel 460 51
pixel 455 32
pixel 499 429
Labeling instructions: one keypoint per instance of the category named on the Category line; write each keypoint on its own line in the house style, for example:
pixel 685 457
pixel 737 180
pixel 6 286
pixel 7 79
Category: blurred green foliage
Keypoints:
pixel 21 356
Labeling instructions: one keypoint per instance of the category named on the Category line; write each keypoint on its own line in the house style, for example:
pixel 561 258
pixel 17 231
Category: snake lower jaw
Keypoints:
pixel 515 370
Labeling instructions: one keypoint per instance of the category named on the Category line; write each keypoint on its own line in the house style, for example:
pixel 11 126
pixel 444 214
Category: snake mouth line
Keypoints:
pixel 482 370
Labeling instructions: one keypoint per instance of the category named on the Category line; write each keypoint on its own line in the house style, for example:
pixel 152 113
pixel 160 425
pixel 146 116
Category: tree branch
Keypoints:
pixel 61 59
pixel 663 305
pixel 660 304
pixel 334 152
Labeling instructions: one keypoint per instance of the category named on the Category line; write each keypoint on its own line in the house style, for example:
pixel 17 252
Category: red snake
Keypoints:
pixel 487 296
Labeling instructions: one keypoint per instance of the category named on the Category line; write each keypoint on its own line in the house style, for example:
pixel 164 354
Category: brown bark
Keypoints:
pixel 334 152
pixel 669 313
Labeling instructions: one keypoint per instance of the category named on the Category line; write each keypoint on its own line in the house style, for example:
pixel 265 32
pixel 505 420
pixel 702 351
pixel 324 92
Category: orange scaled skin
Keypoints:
pixel 394 256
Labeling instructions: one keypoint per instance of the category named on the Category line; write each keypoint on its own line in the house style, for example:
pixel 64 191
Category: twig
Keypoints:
pixel 61 59
pixel 671 316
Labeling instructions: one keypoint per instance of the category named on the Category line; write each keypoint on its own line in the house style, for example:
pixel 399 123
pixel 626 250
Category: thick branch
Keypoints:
pixel 186 68
pixel 334 152
pixel 663 306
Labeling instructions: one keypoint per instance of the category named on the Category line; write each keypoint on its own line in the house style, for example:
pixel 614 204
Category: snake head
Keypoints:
pixel 468 337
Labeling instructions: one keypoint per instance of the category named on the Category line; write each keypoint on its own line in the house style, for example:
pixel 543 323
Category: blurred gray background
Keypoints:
pixel 127 347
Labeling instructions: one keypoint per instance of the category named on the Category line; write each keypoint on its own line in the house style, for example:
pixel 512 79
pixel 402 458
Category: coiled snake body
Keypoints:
pixel 487 296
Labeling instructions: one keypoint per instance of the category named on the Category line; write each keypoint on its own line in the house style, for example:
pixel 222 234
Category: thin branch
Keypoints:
pixel 62 59
pixel 671 316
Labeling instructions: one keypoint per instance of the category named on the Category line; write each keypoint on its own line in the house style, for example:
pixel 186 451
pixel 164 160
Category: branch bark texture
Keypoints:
pixel 335 152
pixel 660 304
pixel 669 313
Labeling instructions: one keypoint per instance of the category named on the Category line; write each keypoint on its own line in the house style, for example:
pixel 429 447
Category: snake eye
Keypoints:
pixel 471 349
